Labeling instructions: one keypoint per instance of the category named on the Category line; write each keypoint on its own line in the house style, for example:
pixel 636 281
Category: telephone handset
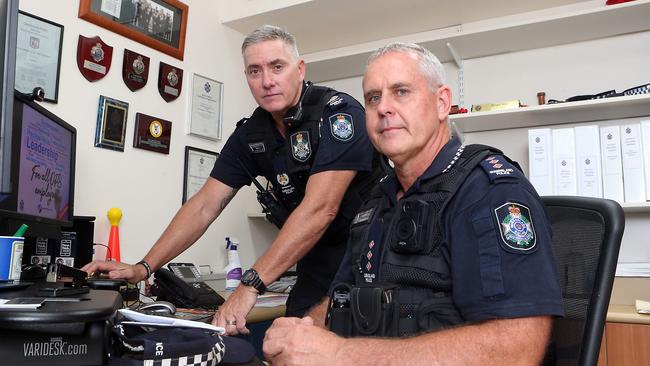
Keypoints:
pixel 183 287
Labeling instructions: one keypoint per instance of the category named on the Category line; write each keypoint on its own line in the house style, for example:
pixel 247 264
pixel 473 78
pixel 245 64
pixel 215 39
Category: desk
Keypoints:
pixel 59 333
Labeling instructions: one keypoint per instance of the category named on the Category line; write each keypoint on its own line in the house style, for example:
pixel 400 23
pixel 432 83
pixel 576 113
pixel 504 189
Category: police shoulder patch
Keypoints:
pixel 342 126
pixel 517 233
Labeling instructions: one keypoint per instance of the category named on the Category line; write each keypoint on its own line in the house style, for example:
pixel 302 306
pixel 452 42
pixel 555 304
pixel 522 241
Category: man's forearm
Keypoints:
pixel 306 224
pixel 298 236
pixel 189 223
pixel 498 342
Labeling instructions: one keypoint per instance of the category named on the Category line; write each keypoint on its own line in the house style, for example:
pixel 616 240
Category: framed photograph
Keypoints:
pixel 38 55
pixel 198 165
pixel 111 123
pixel 205 107
pixel 159 24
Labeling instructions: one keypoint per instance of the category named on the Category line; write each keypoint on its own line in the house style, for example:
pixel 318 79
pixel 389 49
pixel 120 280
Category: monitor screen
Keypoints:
pixel 45 165
pixel 42 167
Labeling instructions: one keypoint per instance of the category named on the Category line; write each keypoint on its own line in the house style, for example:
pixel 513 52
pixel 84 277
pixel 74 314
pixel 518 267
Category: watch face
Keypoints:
pixel 248 277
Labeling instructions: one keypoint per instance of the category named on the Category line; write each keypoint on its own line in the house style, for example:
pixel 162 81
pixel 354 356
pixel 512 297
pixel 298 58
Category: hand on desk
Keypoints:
pixel 116 270
pixel 295 341
pixel 232 314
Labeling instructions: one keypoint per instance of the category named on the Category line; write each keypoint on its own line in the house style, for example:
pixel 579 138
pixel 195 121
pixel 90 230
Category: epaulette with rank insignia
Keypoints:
pixel 336 102
pixel 498 167
pixel 242 121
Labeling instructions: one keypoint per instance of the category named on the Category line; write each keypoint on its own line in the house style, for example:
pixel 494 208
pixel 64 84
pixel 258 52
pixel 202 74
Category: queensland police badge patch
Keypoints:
pixel 516 227
pixel 300 146
pixel 341 126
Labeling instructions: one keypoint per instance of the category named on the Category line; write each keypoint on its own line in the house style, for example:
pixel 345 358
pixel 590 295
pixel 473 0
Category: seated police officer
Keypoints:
pixel 451 252
pixel 310 142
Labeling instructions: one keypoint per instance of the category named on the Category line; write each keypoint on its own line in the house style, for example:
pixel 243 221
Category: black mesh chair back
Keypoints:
pixel 587 236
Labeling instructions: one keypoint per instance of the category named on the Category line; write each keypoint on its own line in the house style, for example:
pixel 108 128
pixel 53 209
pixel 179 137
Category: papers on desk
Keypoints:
pixel 136 318
pixel 22 303
pixel 271 300
pixel 642 307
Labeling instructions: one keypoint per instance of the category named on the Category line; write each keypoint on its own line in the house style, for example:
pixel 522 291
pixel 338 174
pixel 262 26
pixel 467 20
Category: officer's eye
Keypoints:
pixel 254 72
pixel 401 92
pixel 278 67
pixel 373 98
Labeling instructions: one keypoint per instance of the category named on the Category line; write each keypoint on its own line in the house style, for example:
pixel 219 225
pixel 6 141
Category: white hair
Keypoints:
pixel 430 66
pixel 271 33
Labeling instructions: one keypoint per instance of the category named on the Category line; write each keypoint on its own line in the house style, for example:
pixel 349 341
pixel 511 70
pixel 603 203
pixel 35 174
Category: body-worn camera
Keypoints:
pixel 409 231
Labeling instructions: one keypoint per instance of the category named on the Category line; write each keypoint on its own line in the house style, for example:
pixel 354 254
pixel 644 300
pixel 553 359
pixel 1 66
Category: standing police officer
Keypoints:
pixel 451 252
pixel 310 142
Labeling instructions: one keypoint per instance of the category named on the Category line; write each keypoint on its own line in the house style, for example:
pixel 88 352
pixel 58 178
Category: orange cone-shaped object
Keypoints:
pixel 113 252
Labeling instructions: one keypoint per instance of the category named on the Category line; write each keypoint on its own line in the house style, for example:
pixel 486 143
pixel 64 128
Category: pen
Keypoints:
pixel 21 230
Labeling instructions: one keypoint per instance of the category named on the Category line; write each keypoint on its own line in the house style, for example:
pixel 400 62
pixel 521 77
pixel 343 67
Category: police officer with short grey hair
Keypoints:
pixel 450 256
pixel 311 145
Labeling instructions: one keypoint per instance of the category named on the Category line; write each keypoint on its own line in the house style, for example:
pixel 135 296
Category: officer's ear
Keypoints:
pixel 301 69
pixel 443 102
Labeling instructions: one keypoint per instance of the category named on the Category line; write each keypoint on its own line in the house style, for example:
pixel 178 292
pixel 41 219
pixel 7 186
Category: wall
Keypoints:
pixel 562 71
pixel 147 186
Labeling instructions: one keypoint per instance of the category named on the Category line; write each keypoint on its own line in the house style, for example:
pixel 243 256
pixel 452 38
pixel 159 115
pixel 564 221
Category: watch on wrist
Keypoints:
pixel 252 278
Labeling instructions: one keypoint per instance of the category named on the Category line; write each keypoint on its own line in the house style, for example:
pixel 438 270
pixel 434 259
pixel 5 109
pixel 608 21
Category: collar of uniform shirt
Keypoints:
pixel 445 159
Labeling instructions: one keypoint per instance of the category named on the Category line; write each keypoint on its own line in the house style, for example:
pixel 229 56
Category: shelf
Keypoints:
pixel 531 30
pixel 555 114
pixel 636 207
pixel 329 24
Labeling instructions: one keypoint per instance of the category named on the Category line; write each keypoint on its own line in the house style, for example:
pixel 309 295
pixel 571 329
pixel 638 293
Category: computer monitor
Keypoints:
pixel 42 171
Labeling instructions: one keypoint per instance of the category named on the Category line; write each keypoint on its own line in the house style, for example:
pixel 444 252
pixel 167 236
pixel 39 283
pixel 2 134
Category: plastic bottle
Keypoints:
pixel 233 269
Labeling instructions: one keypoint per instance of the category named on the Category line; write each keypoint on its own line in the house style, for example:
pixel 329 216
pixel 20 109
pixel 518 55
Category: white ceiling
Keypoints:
pixel 326 24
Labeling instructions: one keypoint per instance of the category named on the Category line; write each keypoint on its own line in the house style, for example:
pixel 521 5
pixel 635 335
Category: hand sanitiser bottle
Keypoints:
pixel 233 269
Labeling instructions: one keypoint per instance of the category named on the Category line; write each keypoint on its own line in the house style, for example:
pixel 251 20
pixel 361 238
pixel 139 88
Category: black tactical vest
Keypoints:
pixel 412 257
pixel 259 129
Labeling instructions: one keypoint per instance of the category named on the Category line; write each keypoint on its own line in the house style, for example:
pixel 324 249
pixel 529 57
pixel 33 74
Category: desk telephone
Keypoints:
pixel 183 286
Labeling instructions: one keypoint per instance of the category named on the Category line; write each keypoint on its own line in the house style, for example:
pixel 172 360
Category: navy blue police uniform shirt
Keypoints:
pixel 498 238
pixel 347 149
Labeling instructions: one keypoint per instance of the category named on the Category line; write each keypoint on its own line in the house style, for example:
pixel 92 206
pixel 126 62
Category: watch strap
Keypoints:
pixel 252 278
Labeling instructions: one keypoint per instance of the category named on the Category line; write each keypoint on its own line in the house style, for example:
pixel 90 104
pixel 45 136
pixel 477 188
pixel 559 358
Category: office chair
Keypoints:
pixel 587 236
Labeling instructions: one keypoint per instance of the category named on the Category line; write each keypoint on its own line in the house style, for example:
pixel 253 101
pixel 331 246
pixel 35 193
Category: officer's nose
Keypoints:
pixel 385 107
pixel 267 80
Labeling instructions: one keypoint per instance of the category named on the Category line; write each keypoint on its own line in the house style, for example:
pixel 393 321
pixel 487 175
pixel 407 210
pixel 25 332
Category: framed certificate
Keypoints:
pixel 205 107
pixel 111 123
pixel 38 55
pixel 198 165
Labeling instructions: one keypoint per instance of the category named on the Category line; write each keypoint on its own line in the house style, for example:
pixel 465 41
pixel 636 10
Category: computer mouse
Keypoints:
pixel 161 307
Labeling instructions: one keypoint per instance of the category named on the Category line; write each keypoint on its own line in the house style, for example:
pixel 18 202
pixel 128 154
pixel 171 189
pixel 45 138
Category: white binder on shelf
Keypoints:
pixel 540 160
pixel 588 166
pixel 564 162
pixel 610 146
pixel 632 156
pixel 645 134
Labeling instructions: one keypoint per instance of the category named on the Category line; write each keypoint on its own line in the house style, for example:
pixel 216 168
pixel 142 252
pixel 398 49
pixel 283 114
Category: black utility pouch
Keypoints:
pixel 375 310
pixel 339 318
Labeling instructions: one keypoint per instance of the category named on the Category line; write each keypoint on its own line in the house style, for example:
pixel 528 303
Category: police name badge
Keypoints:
pixel 342 126
pixel 515 227
pixel 257 147
pixel 300 146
